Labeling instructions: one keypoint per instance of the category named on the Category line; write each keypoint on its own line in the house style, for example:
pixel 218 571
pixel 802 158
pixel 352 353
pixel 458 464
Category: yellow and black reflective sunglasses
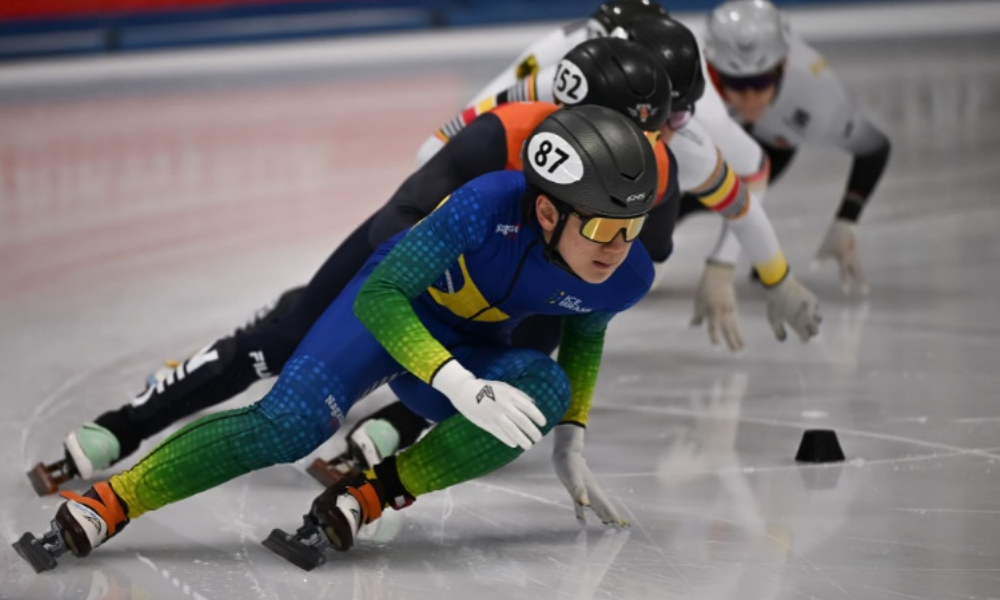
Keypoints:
pixel 603 230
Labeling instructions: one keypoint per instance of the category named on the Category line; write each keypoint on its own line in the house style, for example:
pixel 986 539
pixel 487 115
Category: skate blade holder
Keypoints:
pixel 46 479
pixel 41 553
pixel 304 549
pixel 326 473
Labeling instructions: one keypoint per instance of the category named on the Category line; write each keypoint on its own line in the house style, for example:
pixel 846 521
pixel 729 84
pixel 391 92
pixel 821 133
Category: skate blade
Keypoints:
pixel 301 555
pixel 43 480
pixel 325 473
pixel 31 550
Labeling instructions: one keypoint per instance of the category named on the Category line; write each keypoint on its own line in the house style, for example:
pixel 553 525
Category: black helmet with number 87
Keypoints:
pixel 619 74
pixel 596 160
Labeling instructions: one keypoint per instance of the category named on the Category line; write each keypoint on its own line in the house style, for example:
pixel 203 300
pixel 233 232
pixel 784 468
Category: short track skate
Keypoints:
pixel 42 552
pixel 304 548
pixel 46 478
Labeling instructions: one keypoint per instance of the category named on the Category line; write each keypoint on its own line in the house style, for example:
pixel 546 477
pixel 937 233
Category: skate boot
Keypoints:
pixel 341 510
pixel 333 522
pixel 367 445
pixel 82 523
pixel 89 449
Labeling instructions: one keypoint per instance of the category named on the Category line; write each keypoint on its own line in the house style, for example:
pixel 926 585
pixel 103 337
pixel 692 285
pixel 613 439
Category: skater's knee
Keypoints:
pixel 287 436
pixel 299 419
pixel 544 381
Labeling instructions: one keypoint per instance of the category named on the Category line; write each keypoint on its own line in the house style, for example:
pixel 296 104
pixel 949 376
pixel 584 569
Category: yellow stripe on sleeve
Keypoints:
pixel 773 270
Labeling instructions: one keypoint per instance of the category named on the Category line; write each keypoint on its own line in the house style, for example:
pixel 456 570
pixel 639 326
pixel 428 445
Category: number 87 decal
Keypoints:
pixel 542 156
pixel 554 158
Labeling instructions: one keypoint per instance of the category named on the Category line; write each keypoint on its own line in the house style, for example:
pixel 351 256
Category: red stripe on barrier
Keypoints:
pixel 88 184
pixel 28 9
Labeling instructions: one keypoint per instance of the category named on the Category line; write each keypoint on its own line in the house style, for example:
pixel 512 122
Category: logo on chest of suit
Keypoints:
pixel 569 302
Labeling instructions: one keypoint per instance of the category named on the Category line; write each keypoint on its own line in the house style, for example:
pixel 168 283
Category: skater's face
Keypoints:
pixel 750 96
pixel 749 103
pixel 593 261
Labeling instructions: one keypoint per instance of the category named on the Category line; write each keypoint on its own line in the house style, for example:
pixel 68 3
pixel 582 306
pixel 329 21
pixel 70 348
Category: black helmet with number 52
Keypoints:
pixel 593 159
pixel 619 13
pixel 618 74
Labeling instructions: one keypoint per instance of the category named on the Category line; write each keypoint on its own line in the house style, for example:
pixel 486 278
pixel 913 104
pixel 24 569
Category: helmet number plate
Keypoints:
pixel 570 84
pixel 554 158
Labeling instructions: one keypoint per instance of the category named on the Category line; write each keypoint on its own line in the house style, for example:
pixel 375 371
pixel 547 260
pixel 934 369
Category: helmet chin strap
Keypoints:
pixel 551 253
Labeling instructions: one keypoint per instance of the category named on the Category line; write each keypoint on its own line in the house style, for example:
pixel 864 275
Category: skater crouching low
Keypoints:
pixel 431 312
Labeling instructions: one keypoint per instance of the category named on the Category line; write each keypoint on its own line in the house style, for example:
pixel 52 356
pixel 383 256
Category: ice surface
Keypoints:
pixel 137 223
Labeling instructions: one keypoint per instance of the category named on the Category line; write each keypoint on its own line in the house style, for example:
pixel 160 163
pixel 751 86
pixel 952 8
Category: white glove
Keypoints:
pixel 716 300
pixel 790 301
pixel 574 473
pixel 840 244
pixel 499 408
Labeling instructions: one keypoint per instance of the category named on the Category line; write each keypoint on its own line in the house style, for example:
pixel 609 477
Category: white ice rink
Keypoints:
pixel 149 204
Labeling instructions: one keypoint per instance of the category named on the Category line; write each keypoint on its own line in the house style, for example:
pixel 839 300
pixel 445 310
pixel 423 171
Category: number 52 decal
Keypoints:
pixel 570 86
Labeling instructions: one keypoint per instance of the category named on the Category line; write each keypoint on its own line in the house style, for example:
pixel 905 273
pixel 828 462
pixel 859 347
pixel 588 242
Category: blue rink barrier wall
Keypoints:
pixel 243 21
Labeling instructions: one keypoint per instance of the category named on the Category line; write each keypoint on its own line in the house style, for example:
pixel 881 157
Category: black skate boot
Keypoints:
pixel 81 524
pixel 370 442
pixel 88 449
pixel 333 522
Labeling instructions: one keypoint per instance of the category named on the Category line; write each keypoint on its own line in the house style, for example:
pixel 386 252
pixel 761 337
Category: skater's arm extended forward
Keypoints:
pixel 580 356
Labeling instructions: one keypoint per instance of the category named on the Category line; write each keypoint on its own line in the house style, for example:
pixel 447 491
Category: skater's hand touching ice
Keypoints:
pixel 715 300
pixel 793 303
pixel 574 473
pixel 840 244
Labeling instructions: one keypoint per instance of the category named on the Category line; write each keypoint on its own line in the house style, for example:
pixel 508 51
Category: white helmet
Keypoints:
pixel 746 38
